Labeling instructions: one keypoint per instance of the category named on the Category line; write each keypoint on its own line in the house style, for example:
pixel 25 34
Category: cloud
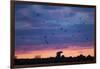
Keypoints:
pixel 72 34
pixel 77 46
pixel 59 24
pixel 40 15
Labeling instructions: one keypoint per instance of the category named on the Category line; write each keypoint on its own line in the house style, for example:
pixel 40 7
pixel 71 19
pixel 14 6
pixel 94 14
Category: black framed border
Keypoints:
pixel 51 4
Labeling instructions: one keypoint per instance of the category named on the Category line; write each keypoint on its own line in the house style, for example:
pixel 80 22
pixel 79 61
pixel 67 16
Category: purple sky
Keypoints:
pixel 40 27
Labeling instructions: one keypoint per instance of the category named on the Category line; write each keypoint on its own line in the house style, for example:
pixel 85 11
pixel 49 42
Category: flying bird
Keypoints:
pixel 45 38
pixel 61 29
pixel 46 41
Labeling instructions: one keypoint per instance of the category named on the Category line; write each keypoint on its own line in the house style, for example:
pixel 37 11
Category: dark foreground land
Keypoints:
pixel 54 61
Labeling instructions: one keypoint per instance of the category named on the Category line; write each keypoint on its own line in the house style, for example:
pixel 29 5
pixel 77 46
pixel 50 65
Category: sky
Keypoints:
pixel 44 29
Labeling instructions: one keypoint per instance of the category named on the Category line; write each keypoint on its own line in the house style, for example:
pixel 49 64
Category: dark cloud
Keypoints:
pixel 39 24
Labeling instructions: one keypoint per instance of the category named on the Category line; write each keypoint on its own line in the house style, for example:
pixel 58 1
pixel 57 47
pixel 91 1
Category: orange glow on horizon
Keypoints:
pixel 52 53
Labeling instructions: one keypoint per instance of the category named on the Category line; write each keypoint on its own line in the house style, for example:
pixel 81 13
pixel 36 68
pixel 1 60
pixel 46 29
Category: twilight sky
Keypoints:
pixel 47 29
